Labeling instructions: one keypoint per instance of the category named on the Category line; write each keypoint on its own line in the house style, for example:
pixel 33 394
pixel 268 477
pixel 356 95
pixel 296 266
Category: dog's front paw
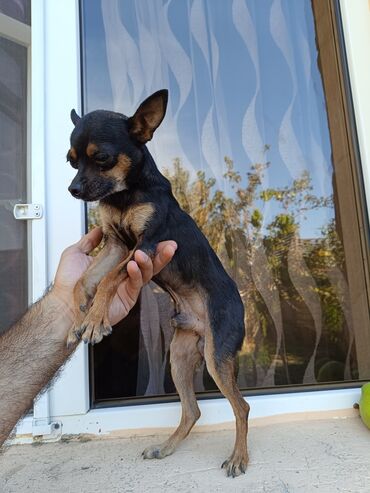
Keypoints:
pixel 72 338
pixel 236 465
pixel 82 297
pixel 74 334
pixel 157 451
pixel 95 327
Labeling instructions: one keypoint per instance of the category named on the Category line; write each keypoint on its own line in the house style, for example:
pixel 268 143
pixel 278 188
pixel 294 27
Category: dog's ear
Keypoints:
pixel 74 117
pixel 148 116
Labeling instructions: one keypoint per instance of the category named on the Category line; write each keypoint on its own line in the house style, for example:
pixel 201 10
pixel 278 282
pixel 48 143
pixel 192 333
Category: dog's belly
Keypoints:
pixel 191 307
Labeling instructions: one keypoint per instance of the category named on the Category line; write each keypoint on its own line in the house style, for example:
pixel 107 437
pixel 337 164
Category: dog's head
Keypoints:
pixel 106 147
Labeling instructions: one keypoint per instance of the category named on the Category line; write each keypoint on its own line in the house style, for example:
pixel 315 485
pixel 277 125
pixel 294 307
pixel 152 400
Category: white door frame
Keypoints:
pixel 56 71
pixel 55 89
pixel 38 261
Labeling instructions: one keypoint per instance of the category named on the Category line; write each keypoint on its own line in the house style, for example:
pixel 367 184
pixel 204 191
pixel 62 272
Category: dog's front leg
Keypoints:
pixel 85 289
pixel 96 325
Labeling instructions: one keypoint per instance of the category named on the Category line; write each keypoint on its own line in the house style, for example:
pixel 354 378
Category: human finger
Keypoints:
pixel 129 290
pixel 135 277
pixel 145 265
pixel 90 241
pixel 165 251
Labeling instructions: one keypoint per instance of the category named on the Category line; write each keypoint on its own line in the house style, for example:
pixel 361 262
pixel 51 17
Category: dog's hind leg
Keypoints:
pixel 224 376
pixel 185 357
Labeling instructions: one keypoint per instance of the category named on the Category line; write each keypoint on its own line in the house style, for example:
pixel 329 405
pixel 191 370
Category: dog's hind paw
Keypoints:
pixel 235 466
pixel 157 452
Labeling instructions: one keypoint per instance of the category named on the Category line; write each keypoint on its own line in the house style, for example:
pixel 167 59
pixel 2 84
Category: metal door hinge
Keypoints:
pixel 28 211
pixel 43 429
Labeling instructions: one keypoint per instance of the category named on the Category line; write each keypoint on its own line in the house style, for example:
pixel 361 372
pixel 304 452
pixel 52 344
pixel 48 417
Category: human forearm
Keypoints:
pixel 32 351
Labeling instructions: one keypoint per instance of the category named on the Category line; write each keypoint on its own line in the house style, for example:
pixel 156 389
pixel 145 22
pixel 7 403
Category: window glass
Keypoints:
pixel 17 9
pixel 13 186
pixel 246 145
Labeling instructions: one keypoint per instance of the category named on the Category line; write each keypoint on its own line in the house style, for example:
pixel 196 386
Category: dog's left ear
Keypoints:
pixel 74 117
pixel 148 116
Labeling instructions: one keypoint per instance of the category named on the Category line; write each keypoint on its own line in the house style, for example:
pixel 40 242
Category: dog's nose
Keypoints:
pixel 75 189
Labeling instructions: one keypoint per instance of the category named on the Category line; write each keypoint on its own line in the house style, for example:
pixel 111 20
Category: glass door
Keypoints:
pixel 15 39
pixel 22 177
pixel 259 147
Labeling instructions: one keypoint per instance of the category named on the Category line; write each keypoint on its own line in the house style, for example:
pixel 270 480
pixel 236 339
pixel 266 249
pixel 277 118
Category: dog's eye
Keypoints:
pixel 74 164
pixel 101 157
pixel 71 161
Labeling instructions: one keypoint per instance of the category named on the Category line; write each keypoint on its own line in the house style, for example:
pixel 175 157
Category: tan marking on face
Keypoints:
pixel 120 170
pixel 73 154
pixel 91 149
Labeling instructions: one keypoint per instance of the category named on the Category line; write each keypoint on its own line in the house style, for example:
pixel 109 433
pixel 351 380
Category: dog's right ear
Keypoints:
pixel 74 117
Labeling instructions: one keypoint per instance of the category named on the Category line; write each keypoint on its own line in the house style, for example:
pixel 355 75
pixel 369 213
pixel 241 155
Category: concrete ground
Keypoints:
pixel 324 455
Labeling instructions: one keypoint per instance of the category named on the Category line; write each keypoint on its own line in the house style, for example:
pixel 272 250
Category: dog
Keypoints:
pixel 138 210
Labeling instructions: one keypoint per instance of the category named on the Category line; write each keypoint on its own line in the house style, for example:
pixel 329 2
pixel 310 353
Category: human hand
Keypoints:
pixel 75 260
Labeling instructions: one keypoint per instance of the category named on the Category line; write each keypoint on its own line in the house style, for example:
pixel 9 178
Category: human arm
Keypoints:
pixel 34 349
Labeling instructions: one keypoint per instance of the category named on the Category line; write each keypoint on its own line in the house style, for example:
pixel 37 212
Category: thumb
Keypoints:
pixel 90 241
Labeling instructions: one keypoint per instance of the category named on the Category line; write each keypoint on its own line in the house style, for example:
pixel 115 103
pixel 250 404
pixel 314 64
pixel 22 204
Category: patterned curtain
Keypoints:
pixel 246 145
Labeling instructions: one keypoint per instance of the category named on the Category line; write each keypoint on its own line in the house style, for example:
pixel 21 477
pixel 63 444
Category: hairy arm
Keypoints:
pixel 34 349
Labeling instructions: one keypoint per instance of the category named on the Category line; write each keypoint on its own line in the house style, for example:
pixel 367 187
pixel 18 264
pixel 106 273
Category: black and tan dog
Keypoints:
pixel 138 210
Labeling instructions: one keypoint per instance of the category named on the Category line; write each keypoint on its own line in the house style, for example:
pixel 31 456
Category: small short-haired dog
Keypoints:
pixel 138 210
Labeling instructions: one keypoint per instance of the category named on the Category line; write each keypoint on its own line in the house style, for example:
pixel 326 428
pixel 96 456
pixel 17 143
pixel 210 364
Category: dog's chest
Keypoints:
pixel 133 220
